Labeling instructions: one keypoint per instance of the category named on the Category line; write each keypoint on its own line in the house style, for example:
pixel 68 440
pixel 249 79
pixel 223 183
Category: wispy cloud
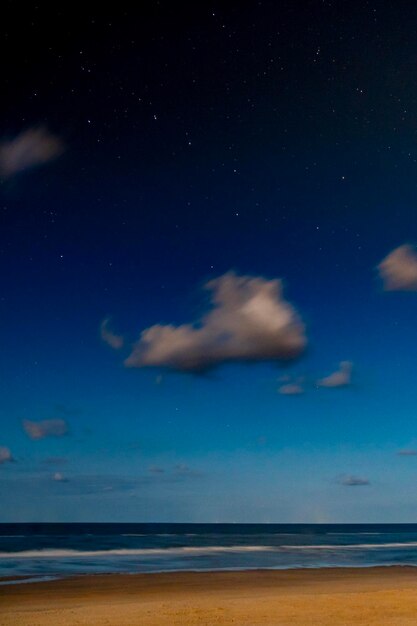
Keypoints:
pixel 59 478
pixel 250 321
pixel 291 389
pixel 95 485
pixel 340 378
pixel 182 469
pixel 294 388
pixel 399 269
pixel 31 148
pixel 407 452
pixel 5 455
pixel 155 469
pixel 54 460
pixel 173 473
pixel 353 481
pixel 108 336
pixel 45 428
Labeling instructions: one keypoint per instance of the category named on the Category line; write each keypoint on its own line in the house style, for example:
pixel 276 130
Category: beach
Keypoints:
pixel 367 596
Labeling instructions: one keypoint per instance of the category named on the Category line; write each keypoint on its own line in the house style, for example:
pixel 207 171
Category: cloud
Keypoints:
pixel 96 485
pixel 407 452
pixel 54 460
pixel 114 341
pixel 341 378
pixel 399 269
pixel 291 389
pixel 31 148
pixel 59 478
pixel 354 481
pixel 45 428
pixel 182 469
pixel 5 455
pixel 175 473
pixel 250 321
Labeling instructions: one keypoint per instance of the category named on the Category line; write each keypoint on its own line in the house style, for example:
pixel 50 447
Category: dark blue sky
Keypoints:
pixel 145 153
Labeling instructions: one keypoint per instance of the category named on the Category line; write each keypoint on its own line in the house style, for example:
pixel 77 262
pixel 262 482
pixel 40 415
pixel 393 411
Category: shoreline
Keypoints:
pixel 37 578
pixel 326 596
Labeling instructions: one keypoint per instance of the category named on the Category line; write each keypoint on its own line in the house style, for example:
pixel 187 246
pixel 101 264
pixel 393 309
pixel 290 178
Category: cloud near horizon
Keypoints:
pixel 291 389
pixel 5 455
pixel 399 269
pixel 407 452
pixel 45 428
pixel 31 148
pixel 341 378
pixel 54 460
pixel 250 322
pixel 156 469
pixel 354 481
pixel 114 341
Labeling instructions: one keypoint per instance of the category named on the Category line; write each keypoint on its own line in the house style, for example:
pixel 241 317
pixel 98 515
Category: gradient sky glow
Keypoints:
pixel 144 153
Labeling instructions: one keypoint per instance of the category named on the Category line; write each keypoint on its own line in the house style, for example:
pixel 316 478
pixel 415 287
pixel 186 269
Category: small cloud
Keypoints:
pixel 341 378
pixel 399 269
pixel 45 428
pixel 407 452
pixel 250 322
pixel 54 460
pixel 353 481
pixel 291 389
pixel 59 478
pixel 5 455
pixel 114 341
pixel 154 469
pixel 182 469
pixel 94 485
pixel 31 148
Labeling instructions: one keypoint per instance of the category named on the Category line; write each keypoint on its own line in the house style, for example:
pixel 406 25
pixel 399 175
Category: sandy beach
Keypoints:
pixel 373 596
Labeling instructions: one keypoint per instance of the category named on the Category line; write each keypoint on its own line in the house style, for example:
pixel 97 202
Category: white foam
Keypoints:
pixel 358 546
pixel 192 550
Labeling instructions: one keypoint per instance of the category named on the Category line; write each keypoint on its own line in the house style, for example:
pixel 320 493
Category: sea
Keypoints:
pixel 44 551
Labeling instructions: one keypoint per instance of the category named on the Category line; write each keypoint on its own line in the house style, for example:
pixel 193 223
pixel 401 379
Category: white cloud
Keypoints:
pixel 250 321
pixel 340 378
pixel 59 478
pixel 114 341
pixel 399 269
pixel 45 428
pixel 30 148
pixel 291 389
pixel 354 481
pixel 5 455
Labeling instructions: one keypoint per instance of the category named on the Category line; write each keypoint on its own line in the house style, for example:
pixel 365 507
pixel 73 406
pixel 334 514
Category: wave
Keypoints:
pixel 193 550
pixel 28 579
pixel 13 536
pixel 163 535
pixel 353 546
pixel 54 553
pixel 354 534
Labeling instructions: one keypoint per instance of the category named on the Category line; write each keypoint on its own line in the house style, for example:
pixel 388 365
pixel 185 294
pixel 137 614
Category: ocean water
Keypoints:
pixel 45 550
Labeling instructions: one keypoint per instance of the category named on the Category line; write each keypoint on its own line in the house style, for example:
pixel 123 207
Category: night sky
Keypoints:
pixel 208 293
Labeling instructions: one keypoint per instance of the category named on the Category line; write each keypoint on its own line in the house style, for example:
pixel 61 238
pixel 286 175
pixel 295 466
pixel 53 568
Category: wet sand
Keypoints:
pixel 326 597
